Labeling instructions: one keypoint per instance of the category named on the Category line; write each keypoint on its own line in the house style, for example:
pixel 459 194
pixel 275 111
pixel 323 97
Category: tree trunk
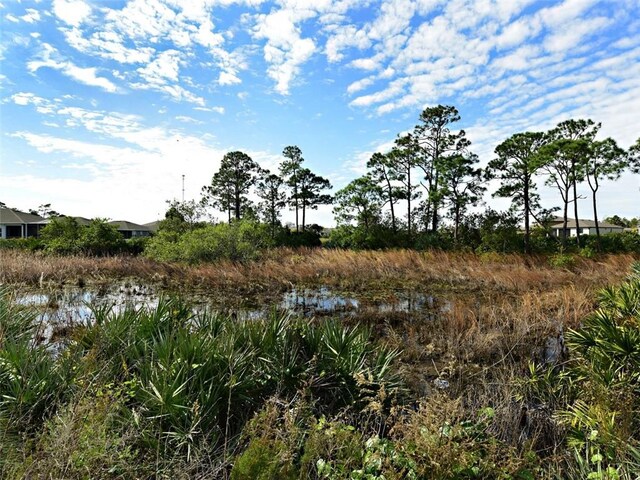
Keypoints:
pixel 457 222
pixel 594 190
pixel 409 202
pixel 393 215
pixel 575 209
pixel 527 233
pixel 434 223
pixel 595 218
pixel 295 199
pixel 304 214
pixel 564 219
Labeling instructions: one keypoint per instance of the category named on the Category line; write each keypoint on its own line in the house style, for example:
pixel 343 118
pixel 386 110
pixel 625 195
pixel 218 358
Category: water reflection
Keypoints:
pixel 60 310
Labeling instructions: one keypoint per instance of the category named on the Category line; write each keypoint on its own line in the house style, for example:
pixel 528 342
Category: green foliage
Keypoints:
pixel 624 242
pixel 195 380
pixel 307 238
pixel 238 241
pixel 563 260
pixel 63 235
pixel 32 382
pixel 262 461
pixel 357 237
pixel 230 185
pixel 598 395
pixel 422 445
pixel 100 238
pixel 175 385
pixel 31 243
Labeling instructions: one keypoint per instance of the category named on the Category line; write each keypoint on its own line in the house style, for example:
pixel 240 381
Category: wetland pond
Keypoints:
pixel 62 309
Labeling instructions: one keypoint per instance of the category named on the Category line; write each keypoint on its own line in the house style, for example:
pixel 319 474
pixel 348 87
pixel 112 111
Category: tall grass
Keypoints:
pixel 279 268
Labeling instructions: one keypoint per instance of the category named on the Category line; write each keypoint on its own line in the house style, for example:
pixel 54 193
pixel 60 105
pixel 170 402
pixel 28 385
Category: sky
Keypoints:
pixel 106 104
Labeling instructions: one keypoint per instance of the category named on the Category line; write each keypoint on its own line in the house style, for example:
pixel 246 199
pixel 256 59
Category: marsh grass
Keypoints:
pixel 206 395
pixel 278 269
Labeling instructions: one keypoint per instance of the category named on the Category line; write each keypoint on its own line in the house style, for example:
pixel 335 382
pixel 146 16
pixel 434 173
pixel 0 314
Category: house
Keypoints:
pixel 587 227
pixel 17 224
pixel 131 230
pixel 153 226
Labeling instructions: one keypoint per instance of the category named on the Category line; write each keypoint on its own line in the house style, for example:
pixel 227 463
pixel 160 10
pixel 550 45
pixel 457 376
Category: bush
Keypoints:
pixel 307 238
pixel 562 260
pixel 625 242
pixel 238 241
pixel 31 243
pixel 63 235
pixel 377 237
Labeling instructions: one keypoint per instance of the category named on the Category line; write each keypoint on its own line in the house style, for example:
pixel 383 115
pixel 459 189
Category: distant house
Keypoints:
pixel 153 226
pixel 131 230
pixel 17 224
pixel 587 227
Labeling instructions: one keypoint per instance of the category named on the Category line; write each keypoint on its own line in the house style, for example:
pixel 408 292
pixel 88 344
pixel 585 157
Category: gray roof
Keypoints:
pixel 571 223
pixel 16 217
pixel 124 225
pixel 79 220
pixel 153 226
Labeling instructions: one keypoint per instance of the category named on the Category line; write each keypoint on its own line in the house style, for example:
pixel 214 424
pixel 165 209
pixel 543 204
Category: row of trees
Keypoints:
pixel 239 176
pixel 432 172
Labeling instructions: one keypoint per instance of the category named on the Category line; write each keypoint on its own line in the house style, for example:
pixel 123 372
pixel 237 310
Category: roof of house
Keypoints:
pixel 571 223
pixel 124 225
pixel 153 226
pixel 79 220
pixel 16 217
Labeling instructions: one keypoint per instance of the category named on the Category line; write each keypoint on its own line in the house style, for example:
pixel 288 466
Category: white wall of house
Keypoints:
pixel 3 233
pixel 557 232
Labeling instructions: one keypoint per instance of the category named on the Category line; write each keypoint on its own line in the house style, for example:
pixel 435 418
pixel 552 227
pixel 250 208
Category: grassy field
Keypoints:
pixel 357 270
pixel 484 388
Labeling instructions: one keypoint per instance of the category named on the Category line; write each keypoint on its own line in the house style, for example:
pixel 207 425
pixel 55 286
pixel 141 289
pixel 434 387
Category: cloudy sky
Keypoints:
pixel 105 104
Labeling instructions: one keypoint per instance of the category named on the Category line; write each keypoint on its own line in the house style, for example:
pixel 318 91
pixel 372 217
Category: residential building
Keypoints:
pixel 131 230
pixel 17 224
pixel 587 227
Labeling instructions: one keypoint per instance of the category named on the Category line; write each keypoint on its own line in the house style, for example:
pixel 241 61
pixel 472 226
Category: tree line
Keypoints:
pixel 432 173
pixel 295 186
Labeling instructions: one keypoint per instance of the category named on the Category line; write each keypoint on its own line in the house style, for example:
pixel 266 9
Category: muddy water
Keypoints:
pixel 63 309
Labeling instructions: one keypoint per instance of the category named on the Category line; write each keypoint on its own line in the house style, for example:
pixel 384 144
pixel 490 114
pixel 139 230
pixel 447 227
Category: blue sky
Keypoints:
pixel 105 104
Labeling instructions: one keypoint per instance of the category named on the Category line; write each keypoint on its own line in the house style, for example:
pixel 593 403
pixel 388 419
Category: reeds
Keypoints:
pixel 355 270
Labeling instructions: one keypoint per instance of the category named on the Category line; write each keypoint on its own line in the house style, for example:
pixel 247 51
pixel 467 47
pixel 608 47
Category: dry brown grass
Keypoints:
pixel 348 270
pixel 503 307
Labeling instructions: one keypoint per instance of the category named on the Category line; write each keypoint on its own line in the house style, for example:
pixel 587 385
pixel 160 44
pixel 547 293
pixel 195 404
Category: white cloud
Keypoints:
pixel 165 68
pixel 226 78
pixel 31 16
pixel 219 110
pixel 49 57
pixel 72 12
pixel 286 51
pixel 187 119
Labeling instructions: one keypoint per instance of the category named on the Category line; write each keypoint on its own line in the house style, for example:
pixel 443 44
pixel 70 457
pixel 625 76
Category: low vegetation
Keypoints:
pixel 486 389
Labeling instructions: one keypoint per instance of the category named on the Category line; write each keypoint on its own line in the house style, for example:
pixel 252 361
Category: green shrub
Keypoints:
pixel 99 238
pixel 562 260
pixel 32 244
pixel 63 235
pixel 32 382
pixel 197 379
pixel 286 238
pixel 238 241
pixel 263 460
